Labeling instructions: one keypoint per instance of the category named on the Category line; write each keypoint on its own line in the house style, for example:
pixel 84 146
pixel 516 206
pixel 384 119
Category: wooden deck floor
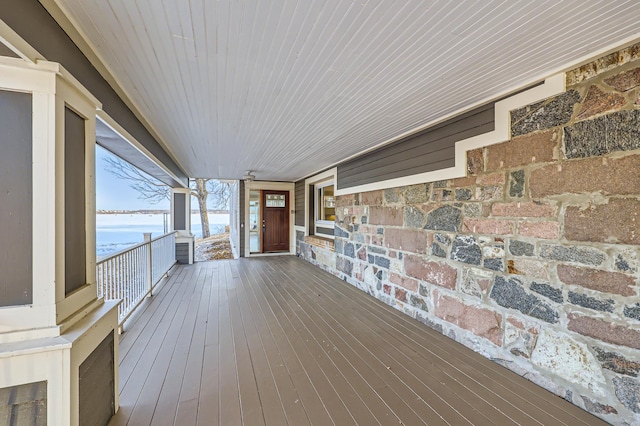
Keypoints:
pixel 276 341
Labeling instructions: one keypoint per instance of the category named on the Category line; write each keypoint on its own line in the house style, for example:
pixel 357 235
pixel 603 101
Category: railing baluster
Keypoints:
pixel 132 273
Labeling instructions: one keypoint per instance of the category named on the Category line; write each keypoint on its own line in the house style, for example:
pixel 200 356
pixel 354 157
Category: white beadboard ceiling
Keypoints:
pixel 289 87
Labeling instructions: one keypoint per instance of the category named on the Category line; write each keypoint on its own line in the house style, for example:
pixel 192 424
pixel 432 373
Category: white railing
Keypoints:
pixel 131 274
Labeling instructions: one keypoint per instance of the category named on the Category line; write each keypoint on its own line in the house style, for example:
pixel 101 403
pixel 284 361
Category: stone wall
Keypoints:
pixel 532 259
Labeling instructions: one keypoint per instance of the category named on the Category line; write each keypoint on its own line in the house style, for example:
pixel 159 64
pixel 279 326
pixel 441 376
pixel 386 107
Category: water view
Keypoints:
pixel 115 232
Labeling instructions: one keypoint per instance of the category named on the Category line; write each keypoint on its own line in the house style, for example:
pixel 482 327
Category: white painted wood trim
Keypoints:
pixel 70 94
pixel 552 86
pixel 38 319
pixel 13 41
pixel 331 174
pixel 57 360
pixel 44 363
pixel 187 211
pixel 86 335
pixel 117 128
pixel 257 185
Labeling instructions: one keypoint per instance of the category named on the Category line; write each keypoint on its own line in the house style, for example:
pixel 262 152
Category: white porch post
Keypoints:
pixel 181 223
pixel 51 320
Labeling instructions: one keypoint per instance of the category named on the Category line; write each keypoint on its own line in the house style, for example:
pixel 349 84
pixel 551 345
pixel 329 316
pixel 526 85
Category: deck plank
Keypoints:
pixel 289 397
pixel 431 385
pixel 277 341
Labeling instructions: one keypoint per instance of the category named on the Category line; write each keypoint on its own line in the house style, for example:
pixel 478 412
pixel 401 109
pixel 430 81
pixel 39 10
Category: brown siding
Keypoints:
pixel 96 387
pixel 299 206
pixel 430 150
pixel 75 234
pixel 33 23
pixel 16 193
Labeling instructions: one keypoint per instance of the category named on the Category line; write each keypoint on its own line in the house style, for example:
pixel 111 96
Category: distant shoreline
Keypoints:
pixel 154 211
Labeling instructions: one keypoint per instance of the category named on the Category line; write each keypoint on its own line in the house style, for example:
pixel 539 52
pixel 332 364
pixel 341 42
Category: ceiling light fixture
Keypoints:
pixel 248 176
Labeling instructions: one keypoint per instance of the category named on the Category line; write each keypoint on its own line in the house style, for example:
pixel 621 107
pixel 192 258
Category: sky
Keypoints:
pixel 113 193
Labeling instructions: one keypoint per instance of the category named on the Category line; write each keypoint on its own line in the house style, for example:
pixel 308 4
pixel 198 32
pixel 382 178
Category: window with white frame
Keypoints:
pixel 325 203
pixel 320 192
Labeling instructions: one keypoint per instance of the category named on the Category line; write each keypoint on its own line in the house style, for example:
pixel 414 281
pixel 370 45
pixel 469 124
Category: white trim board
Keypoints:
pixel 125 135
pixel 258 185
pixel 552 86
pixel 331 174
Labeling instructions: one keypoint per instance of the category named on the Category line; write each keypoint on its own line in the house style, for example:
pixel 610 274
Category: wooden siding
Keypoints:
pixel 182 253
pixel 96 384
pixel 432 149
pixel 75 229
pixel 299 205
pixel 16 199
pixel 275 340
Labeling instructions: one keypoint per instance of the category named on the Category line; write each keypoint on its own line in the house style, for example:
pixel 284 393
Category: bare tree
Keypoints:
pixel 199 190
pixel 151 189
pixel 148 187
pixel 220 193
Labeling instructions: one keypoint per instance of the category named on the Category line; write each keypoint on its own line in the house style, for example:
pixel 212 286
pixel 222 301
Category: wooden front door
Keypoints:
pixel 275 221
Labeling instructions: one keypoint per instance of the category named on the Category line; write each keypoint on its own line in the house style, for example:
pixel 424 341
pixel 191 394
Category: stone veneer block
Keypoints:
pixel 511 294
pixel 528 149
pixel 625 81
pixel 393 216
pixel 615 222
pixel 488 226
pixel 591 302
pixel 405 282
pixel 569 359
pixel 604 331
pixel 417 194
pixel 628 392
pixel 414 217
pixel 603 64
pixel 371 198
pixel 481 322
pixel 584 255
pixel 529 268
pixel 597 102
pixel 619 131
pixel 544 230
pixel 466 249
pixel 521 248
pixel 432 272
pixel 632 311
pixel 544 289
pixel 593 279
pixel 344 265
pixel 445 218
pixel 517 209
pixel 516 184
pixel 546 114
pixel 618 363
pixel 606 176
pixel 475 162
pixel 412 240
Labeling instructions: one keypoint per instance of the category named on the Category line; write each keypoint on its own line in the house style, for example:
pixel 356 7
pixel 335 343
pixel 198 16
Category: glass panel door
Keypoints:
pixel 255 220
